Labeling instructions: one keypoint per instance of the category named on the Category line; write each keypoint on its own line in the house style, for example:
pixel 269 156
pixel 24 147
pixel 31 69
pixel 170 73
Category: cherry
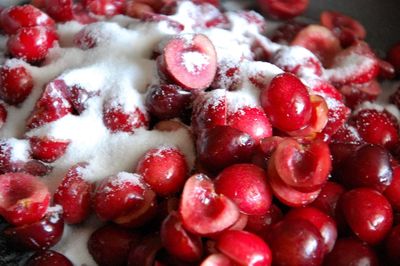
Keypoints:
pixel 16 83
pixel 296 242
pixel 246 185
pixel 38 235
pixel 286 32
pixel 222 146
pixel 217 259
pixel 349 251
pixel 60 10
pixel 144 253
pixel 204 212
pixel 328 198
pixel 368 166
pixel 392 243
pixel 47 149
pixel 393 57
pixel 368 214
pixel 287 102
pixel 109 245
pixel 163 169
pixel 32 44
pixel 191 63
pixel 392 192
pixel 261 224
pixel 16 17
pixel 376 127
pixel 24 198
pixel 283 9
pixel 178 242
pixel 244 248
pixel 105 7
pixel 355 94
pixel 167 101
pixel 320 220
pixel 48 258
pixel 137 9
pixel 3 115
pixel 116 119
pixel 73 194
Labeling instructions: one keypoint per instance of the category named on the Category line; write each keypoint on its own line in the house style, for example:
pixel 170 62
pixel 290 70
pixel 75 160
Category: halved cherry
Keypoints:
pixel 16 17
pixel 24 198
pixel 355 94
pixel 73 194
pixel 38 235
pixel 47 149
pixel 178 242
pixel 203 211
pixel 347 29
pixel 244 248
pixel 16 83
pixel 117 119
pixel 191 61
pixel 319 40
pixel 283 9
pixel 305 168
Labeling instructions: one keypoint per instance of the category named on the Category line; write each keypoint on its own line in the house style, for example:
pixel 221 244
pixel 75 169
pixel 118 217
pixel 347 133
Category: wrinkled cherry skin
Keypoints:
pixel 244 248
pixel 320 220
pixel 296 242
pixel 31 44
pixel 351 251
pixel 16 83
pixel 48 258
pixel 37 236
pixel 16 17
pixel 392 244
pixel 109 245
pixel 287 103
pixel 246 185
pixel 222 146
pixel 328 198
pixel 368 214
pixel 368 166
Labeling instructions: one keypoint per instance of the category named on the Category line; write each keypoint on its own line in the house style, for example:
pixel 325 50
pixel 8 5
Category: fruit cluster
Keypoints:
pixel 295 163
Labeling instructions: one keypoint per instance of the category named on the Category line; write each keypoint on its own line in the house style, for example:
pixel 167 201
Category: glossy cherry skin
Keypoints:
pixel 328 198
pixel 244 248
pixel 296 242
pixel 246 185
pixel 368 214
pixel 393 57
pixel 144 253
pixel 351 251
pixel 109 245
pixel 287 103
pixel 392 193
pixel 392 244
pixel 60 10
pixel 48 258
pixel 16 83
pixel 368 166
pixel 261 224
pixel 283 9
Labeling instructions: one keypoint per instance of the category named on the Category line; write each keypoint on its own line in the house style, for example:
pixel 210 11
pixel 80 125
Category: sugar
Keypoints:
pixel 19 148
pixel 195 62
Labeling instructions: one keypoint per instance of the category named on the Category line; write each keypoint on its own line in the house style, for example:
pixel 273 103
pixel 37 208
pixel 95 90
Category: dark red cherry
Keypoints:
pixel 48 258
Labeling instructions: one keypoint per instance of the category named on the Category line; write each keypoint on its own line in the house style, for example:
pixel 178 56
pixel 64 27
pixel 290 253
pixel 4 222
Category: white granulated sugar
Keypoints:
pixel 127 178
pixel 195 62
pixel 67 32
pixel 262 71
pixel 19 148
pixel 348 66
pixel 236 100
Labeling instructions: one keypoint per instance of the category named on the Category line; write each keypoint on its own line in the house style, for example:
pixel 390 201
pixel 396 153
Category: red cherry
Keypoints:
pixel 287 102
pixel 244 248
pixel 16 83
pixel 3 116
pixel 47 149
pixel 349 251
pixel 296 242
pixel 16 17
pixel 105 7
pixel 144 253
pixel 287 32
pixel 109 245
pixel 38 235
pixel 328 198
pixel 60 10
pixel 24 198
pixel 393 56
pixel 246 185
pixel 203 211
pixel 392 192
pixel 32 44
pixel 48 258
pixel 355 94
pixel 368 214
pixel 392 243
pixel 164 169
pixel 117 119
pixel 73 194
pixel 261 224
pixel 217 259
pixel 283 9
pixel 178 242
pixel 191 63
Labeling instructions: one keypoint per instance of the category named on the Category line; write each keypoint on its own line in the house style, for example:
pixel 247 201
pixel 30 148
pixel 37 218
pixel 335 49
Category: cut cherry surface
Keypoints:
pixel 164 169
pixel 47 149
pixel 244 248
pixel 32 44
pixel 73 194
pixel 16 17
pixel 191 61
pixel 109 245
pixel 178 242
pixel 24 198
pixel 38 235
pixel 48 258
pixel 16 83
pixel 368 214
pixel 203 211
pixel 287 102
pixel 296 242
pixel 283 9
pixel 246 185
